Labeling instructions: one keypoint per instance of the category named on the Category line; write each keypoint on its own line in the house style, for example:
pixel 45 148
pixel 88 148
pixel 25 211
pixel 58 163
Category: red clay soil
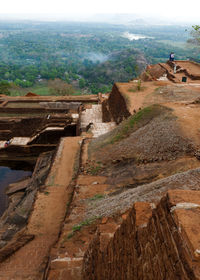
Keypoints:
pixel 158 92
pixel 30 261
pixel 67 255
pixel 188 117
pixel 139 99
pixel 31 94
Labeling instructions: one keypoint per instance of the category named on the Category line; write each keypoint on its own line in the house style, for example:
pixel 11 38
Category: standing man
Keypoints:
pixel 171 57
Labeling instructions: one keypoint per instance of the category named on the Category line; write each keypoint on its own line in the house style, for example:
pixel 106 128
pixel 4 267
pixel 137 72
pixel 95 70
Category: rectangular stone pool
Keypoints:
pixel 9 175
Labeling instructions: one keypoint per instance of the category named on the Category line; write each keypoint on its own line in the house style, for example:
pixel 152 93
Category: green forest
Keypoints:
pixel 88 57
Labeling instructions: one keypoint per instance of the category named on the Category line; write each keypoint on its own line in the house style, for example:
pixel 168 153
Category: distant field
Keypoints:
pixel 38 89
pixel 179 44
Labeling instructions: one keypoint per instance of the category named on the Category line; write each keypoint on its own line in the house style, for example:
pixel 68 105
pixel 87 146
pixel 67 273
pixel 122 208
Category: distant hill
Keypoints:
pixel 120 66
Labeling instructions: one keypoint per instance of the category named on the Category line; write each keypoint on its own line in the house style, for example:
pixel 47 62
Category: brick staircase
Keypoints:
pixel 92 119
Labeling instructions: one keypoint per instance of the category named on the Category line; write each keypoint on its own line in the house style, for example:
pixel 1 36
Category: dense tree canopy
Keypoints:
pixel 4 87
pixel 59 87
pixel 90 56
pixel 195 33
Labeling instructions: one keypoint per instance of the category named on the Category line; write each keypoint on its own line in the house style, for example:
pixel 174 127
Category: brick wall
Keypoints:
pixel 115 108
pixel 159 244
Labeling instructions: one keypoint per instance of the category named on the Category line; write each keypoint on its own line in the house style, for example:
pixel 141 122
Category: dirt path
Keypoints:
pixel 189 119
pixel 49 211
pixel 68 253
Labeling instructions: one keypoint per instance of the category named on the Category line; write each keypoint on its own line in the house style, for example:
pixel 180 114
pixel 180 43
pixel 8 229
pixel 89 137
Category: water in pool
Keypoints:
pixel 8 176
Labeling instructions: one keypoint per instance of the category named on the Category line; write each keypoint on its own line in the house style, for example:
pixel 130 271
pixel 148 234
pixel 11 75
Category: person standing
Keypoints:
pixel 171 57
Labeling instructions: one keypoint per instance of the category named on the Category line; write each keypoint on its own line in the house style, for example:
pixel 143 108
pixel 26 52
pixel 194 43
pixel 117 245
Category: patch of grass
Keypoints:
pixel 46 193
pixel 38 89
pixel 95 169
pixel 147 73
pixel 135 121
pixel 137 87
pixel 16 93
pixel 141 114
pixel 70 200
pixel 139 84
pixel 97 196
pixel 127 127
pixel 78 227
pixel 43 90
pixel 70 235
pixel 116 138
pixel 132 89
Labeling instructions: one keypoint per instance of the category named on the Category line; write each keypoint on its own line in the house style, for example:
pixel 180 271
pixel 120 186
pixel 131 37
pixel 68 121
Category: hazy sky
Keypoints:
pixel 180 9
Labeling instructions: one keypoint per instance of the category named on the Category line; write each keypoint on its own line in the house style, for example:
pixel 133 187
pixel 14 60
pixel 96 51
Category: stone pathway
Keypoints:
pixel 46 220
pixel 66 256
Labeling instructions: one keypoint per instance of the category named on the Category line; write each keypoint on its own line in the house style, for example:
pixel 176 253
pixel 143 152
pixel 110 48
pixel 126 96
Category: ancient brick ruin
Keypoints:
pixel 115 187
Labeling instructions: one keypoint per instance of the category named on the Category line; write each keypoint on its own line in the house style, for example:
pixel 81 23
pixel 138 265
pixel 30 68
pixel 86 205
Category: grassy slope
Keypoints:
pixel 128 126
pixel 135 156
pixel 146 145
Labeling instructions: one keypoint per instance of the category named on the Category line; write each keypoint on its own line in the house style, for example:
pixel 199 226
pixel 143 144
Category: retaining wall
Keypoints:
pixel 159 244
pixel 115 108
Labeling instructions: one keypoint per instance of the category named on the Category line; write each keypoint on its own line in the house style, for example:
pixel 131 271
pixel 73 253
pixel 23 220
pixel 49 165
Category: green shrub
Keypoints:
pixel 139 83
pixel 78 227
pixel 97 196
